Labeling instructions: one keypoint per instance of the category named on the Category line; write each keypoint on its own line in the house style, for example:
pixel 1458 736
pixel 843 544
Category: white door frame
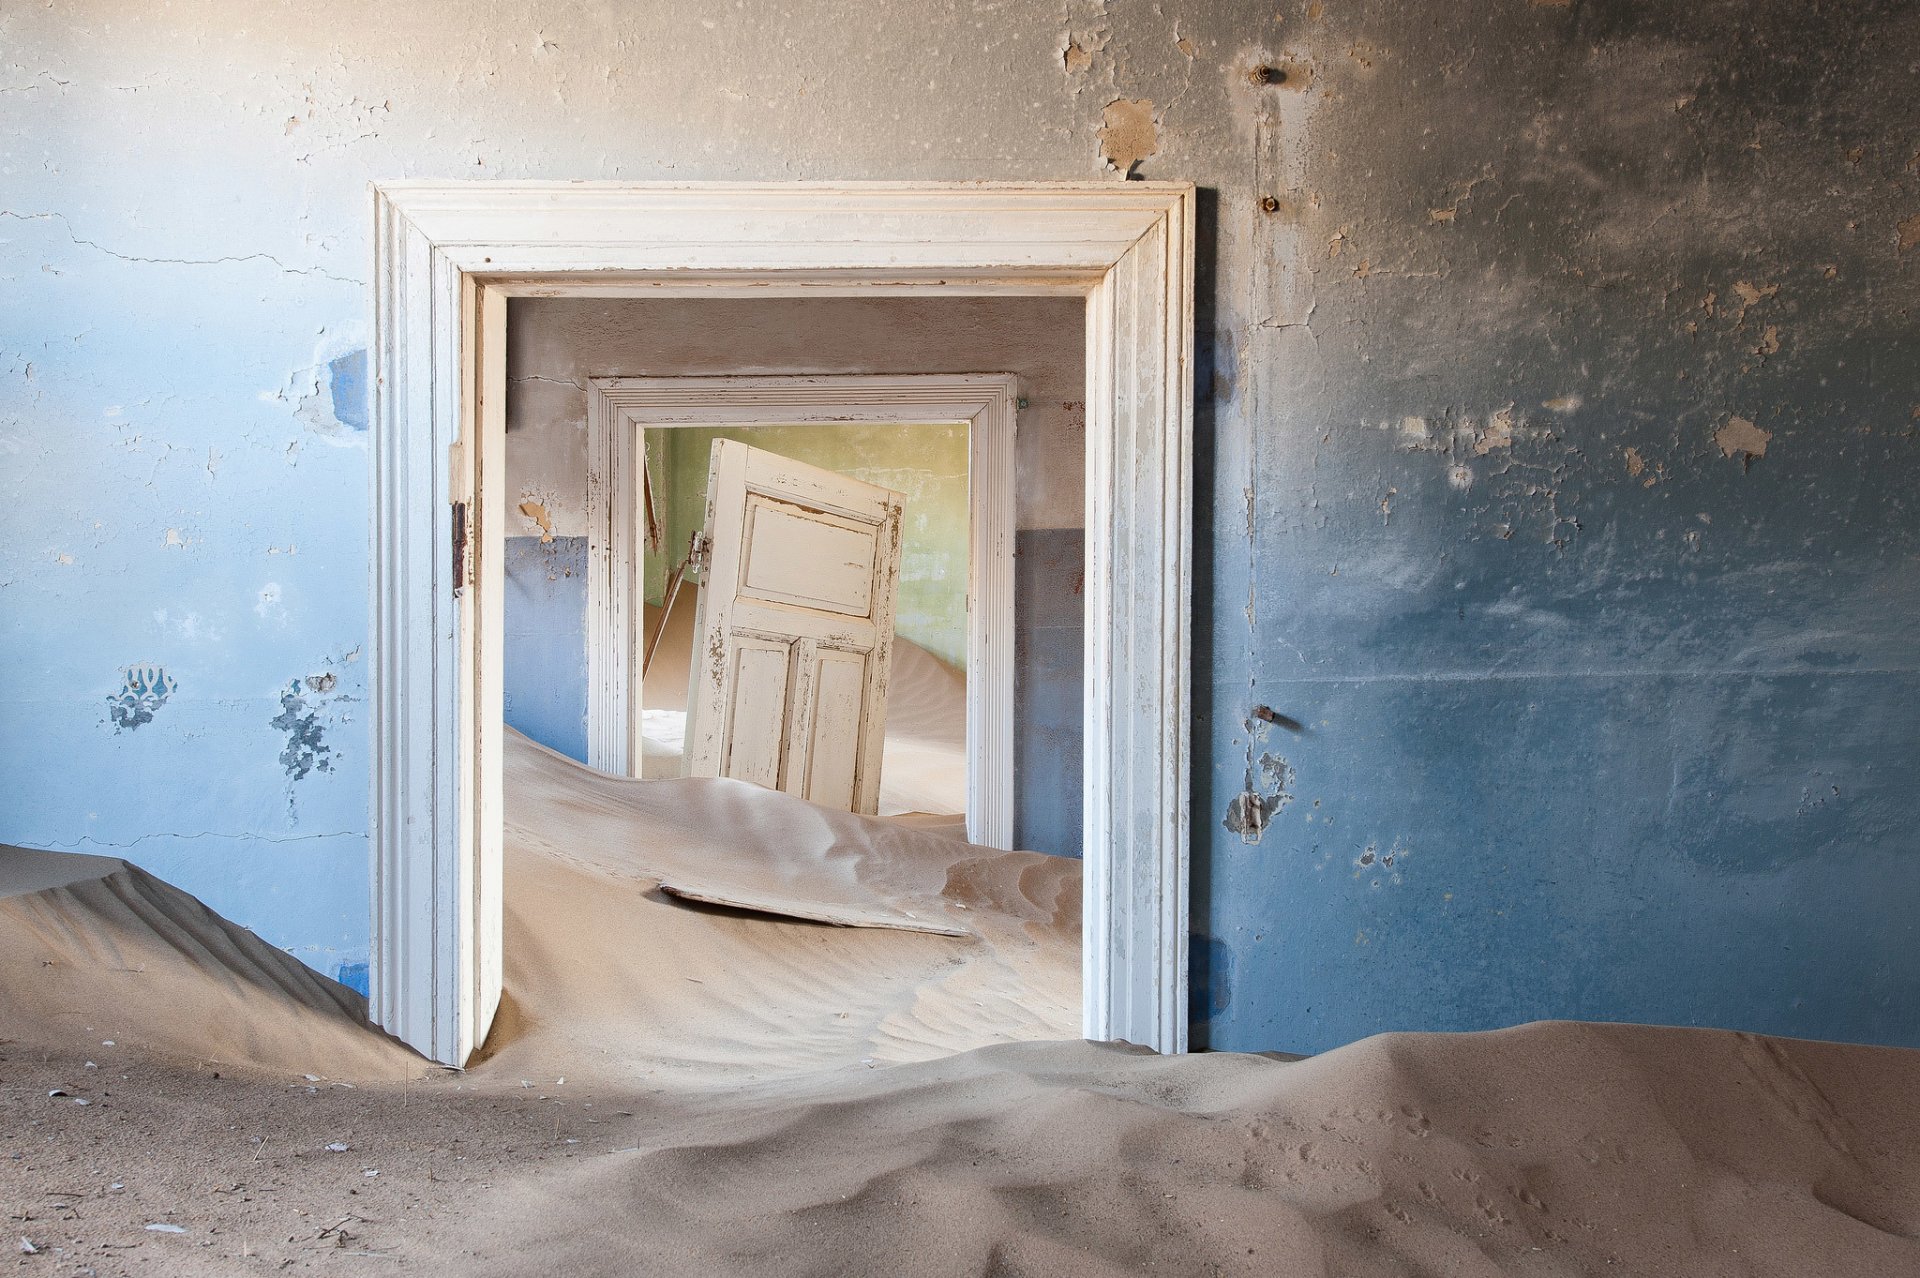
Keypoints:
pixel 619 408
pixel 446 254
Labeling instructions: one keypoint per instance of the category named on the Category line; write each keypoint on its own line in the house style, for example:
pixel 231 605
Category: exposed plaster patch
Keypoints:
pixel 1636 464
pixel 1441 215
pixel 1498 432
pixel 1128 133
pixel 1252 811
pixel 1769 341
pixel 536 513
pixel 1751 295
pixel 330 394
pixel 143 690
pixel 1074 58
pixel 1563 404
pixel 1740 437
pixel 1907 232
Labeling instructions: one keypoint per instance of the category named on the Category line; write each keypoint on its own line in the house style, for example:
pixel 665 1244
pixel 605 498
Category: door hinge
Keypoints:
pixel 459 547
pixel 699 551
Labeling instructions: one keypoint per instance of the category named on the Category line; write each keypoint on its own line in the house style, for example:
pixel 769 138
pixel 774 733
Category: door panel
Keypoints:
pixel 789 685
pixel 831 724
pixel 807 558
pixel 762 670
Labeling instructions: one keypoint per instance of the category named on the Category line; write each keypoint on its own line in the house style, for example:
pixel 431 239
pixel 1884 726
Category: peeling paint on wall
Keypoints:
pixel 1741 438
pixel 1128 133
pixel 306 751
pixel 536 514
pixel 143 690
pixel 1252 810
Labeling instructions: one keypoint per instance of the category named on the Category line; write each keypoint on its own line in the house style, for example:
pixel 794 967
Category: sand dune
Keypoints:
pixel 686 1090
pixel 630 982
pixel 1551 1149
pixel 93 949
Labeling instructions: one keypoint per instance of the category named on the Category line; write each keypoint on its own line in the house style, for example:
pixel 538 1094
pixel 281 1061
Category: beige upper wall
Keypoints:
pixel 556 344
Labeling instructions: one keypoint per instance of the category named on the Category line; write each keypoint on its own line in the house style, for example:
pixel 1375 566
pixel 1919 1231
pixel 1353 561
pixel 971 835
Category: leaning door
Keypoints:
pixel 789 682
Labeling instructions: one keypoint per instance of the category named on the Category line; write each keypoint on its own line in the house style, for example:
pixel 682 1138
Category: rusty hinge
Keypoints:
pixel 459 547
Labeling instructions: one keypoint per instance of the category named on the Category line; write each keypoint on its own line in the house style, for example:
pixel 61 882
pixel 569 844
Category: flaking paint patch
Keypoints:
pixel 144 688
pixel 1907 232
pixel 1498 432
pixel 1128 133
pixel 536 512
pixel 306 751
pixel 1741 438
pixel 1250 812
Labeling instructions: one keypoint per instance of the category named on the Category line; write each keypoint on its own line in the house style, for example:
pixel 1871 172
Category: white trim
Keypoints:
pixel 444 252
pixel 618 408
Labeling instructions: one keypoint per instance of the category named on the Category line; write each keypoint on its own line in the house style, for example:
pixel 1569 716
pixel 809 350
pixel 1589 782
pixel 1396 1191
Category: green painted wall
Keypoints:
pixel 926 463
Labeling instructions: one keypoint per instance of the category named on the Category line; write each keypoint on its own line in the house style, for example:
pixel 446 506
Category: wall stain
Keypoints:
pixel 143 690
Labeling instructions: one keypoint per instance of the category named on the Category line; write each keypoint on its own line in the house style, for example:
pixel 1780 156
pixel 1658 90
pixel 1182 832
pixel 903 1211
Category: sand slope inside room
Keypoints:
pixel 679 1089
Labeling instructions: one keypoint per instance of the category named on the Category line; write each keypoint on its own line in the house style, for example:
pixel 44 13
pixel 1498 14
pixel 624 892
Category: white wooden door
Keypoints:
pixel 789 682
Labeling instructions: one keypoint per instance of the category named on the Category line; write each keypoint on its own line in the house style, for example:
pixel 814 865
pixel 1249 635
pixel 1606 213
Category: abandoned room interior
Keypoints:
pixel 1112 637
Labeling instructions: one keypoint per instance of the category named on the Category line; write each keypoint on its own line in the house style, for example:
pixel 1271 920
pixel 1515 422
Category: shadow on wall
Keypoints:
pixel 1049 648
pixel 545 678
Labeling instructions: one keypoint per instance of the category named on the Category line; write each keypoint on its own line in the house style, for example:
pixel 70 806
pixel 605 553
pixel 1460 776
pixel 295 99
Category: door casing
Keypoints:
pixel 446 255
pixel 620 408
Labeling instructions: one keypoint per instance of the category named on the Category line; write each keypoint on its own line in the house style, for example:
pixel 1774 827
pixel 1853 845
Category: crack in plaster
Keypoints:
pixel 177 261
pixel 202 834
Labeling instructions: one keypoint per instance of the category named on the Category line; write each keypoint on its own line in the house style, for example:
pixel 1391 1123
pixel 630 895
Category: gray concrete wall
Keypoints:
pixel 1557 448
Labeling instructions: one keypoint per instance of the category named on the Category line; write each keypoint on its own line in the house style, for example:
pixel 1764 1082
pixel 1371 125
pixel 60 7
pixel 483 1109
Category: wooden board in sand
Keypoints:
pixel 839 915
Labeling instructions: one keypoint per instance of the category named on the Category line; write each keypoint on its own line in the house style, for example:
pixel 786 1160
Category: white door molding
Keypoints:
pixel 619 408
pixel 446 254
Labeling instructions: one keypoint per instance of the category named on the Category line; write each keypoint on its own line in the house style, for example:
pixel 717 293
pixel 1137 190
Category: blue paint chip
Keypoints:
pixel 354 977
pixel 347 378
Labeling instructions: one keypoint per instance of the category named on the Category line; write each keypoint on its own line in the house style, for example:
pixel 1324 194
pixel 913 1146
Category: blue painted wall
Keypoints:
pixel 1580 539
pixel 544 689
pixel 1601 710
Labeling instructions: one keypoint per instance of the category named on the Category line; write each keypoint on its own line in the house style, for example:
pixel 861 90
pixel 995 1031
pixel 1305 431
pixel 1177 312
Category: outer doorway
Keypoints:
pixel 448 254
